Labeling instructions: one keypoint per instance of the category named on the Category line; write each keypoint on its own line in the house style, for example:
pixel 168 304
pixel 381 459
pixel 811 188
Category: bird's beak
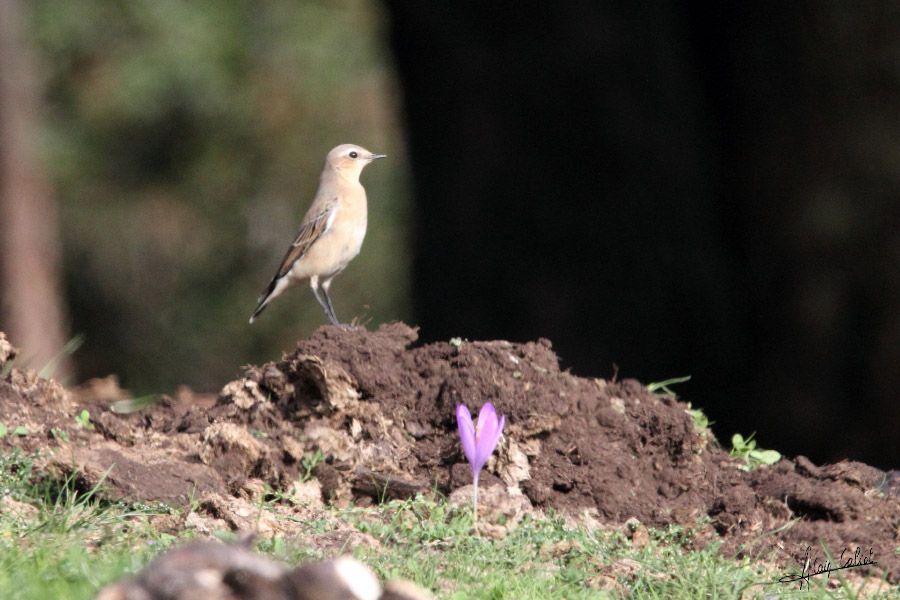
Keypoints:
pixel 377 156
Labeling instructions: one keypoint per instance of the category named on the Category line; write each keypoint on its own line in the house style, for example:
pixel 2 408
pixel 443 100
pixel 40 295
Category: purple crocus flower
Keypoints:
pixel 478 440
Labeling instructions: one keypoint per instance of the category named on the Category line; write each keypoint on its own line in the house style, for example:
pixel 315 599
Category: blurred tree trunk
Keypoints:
pixel 32 308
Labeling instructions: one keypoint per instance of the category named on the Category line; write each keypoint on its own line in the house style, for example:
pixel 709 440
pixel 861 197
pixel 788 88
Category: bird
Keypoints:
pixel 331 233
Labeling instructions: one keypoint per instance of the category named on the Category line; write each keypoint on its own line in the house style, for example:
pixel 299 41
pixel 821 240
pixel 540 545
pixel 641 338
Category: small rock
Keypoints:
pixel 204 525
pixel 496 503
pixel 602 581
pixel 640 538
pixel 564 547
pixel 336 386
pixel 19 510
pixel 513 464
pixel 7 351
pixel 626 567
pixel 631 525
pixel 617 405
pixel 307 492
pixel 227 446
pixel 293 448
pixel 637 533
pixel 243 393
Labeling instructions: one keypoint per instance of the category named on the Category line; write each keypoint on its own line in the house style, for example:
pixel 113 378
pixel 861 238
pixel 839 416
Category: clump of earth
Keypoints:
pixel 369 416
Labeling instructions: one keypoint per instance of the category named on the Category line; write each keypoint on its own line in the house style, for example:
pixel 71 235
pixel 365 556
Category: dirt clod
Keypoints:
pixel 7 352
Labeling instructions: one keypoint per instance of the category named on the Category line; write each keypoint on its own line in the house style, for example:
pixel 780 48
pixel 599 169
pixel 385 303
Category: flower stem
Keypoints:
pixel 475 502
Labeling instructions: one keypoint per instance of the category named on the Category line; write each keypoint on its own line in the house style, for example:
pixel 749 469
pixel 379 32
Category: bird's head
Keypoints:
pixel 349 160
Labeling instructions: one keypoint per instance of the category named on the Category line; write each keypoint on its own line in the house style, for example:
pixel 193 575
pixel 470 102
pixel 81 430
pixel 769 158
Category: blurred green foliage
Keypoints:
pixel 184 141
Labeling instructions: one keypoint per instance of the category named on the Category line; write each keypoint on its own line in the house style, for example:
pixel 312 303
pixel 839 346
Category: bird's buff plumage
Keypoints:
pixel 330 234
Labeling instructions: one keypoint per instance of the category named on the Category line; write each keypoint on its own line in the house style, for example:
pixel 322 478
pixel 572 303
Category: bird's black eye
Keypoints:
pixel 354 154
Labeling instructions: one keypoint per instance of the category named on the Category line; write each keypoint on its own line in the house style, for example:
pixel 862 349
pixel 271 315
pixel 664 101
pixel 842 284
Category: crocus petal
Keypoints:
pixel 498 433
pixel 488 434
pixel 487 416
pixel 466 432
pixel 493 431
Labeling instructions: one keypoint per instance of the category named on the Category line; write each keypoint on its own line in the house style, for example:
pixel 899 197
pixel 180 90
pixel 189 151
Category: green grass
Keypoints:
pixel 62 543
pixel 68 544
pixel 542 558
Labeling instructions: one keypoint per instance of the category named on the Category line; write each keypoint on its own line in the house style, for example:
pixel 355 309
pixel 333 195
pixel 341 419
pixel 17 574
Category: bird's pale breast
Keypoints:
pixel 340 244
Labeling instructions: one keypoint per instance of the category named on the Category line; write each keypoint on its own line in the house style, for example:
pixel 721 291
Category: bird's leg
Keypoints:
pixel 331 314
pixel 321 298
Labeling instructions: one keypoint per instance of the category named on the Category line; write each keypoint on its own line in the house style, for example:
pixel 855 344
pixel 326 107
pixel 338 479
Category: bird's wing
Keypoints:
pixel 312 228
pixel 315 224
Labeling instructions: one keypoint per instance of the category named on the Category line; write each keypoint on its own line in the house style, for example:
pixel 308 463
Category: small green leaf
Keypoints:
pixel 278 545
pixel 69 349
pixel 310 463
pixel 223 535
pixel 3 430
pixel 753 457
pixel 664 385
pixel 60 434
pixel 20 431
pixel 701 421
pixel 132 405
pixel 765 457
pixel 84 419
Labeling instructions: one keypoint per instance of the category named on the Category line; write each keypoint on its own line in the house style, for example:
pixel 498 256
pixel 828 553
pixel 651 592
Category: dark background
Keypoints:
pixel 706 189
pixel 699 188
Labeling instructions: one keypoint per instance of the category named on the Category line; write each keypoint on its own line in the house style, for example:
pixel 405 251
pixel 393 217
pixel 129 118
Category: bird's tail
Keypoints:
pixel 259 308
pixel 266 297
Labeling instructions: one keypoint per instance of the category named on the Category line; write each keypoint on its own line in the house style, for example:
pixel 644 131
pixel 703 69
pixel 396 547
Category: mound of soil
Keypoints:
pixel 380 410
